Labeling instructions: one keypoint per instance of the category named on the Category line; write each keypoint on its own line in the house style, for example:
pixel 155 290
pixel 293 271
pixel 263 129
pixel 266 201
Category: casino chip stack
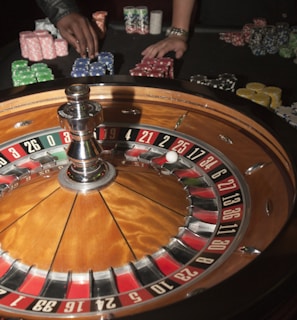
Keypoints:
pixel 154 67
pixel 23 74
pixel 156 17
pixel 45 24
pixel 267 96
pixel 42 72
pixel 40 45
pixel 224 81
pixel 80 67
pixel 136 19
pixel 243 36
pixel 107 59
pixel 61 47
pixel 288 113
pixel 130 19
pixel 83 67
pixel 142 20
pixel 263 38
pixel 99 17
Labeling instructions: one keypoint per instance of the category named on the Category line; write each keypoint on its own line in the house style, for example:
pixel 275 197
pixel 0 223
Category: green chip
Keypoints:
pixel 39 66
pixel 19 64
pixel 45 78
pixel 44 72
pixel 25 75
pixel 286 52
pixel 21 70
pixel 23 83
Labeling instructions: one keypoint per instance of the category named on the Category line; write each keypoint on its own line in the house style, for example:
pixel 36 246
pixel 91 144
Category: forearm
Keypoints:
pixel 56 9
pixel 182 12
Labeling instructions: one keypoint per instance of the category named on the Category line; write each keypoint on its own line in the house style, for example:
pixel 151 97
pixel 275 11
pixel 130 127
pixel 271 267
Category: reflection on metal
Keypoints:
pixel 23 123
pixel 179 121
pixel 106 317
pixel 225 139
pixel 255 167
pixel 268 207
pixel 131 111
pixel 195 292
pixel 249 250
pixel 80 116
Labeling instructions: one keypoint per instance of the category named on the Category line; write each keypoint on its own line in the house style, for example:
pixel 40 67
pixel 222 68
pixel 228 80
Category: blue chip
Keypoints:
pixel 97 65
pixel 106 58
pixel 80 68
pixel 105 55
pixel 77 74
pixel 97 72
pixel 82 61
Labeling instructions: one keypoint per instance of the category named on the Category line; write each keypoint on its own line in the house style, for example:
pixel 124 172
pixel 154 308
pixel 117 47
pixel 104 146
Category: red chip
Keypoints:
pixel 246 31
pixel 99 18
pixel 23 44
pixel 137 72
pixel 154 67
pixel 238 39
pixel 34 48
pixel 61 47
pixel 97 15
pixel 41 32
pixel 260 22
pixel 47 46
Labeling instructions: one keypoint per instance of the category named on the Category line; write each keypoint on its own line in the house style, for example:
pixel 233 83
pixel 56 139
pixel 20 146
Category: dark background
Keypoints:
pixel 207 54
pixel 16 16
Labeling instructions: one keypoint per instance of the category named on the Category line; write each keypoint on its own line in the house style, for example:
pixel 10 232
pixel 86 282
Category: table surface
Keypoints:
pixel 207 55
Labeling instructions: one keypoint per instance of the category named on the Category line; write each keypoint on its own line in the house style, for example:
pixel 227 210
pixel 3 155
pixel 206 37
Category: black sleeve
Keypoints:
pixel 57 9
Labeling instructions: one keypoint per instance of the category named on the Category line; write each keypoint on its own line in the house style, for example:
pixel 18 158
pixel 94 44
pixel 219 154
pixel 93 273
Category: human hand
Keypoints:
pixel 78 31
pixel 159 49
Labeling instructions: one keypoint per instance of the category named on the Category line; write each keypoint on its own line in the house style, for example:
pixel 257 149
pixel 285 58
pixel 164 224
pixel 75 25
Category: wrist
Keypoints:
pixel 177 33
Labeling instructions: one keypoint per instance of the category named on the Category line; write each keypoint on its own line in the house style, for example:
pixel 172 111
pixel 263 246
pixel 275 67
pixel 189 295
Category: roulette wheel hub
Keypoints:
pixel 80 116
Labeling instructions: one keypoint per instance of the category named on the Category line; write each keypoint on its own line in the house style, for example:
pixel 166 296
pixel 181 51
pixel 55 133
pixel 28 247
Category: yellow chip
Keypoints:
pixel 262 99
pixel 255 86
pixel 245 93
pixel 275 94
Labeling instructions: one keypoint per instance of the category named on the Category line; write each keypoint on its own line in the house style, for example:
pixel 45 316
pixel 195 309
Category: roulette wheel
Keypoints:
pixel 140 198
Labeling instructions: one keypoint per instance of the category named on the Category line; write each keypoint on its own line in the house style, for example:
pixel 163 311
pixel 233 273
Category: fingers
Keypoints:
pixel 86 39
pixel 151 52
pixel 155 51
pixel 161 48
pixel 179 54
pixel 78 32
pixel 70 38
